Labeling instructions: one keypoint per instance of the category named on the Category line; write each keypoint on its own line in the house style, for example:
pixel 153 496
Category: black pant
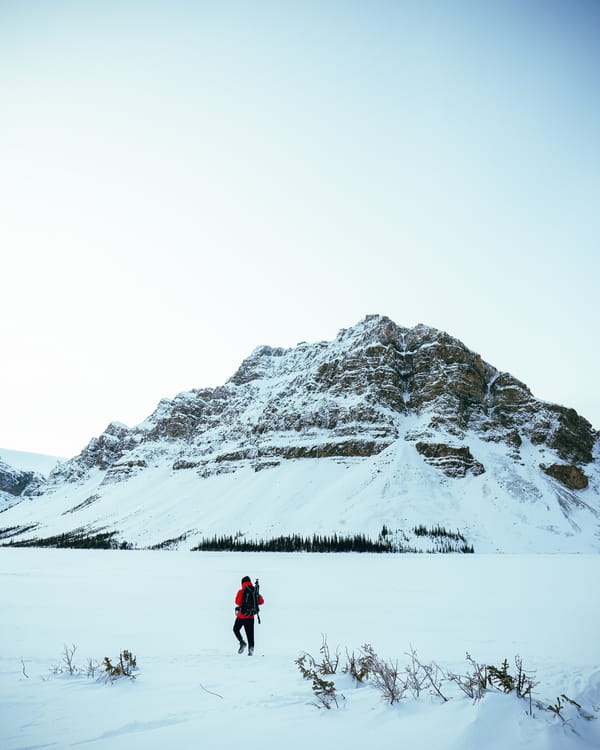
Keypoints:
pixel 248 625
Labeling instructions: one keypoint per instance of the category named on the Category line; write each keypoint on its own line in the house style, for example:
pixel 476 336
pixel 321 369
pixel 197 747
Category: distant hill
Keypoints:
pixel 29 461
pixel 21 475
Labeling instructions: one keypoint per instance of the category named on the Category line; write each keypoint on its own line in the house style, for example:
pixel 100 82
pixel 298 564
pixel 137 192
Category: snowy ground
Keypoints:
pixel 174 610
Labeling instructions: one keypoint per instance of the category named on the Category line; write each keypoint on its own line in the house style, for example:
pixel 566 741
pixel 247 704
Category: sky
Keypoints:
pixel 181 182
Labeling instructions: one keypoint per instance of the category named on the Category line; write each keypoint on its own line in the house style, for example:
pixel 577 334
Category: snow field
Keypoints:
pixel 174 610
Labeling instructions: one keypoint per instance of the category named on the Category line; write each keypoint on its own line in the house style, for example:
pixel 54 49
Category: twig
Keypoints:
pixel 210 691
pixel 23 668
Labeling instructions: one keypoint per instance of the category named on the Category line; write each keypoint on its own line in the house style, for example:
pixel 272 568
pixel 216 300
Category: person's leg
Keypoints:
pixel 237 630
pixel 249 628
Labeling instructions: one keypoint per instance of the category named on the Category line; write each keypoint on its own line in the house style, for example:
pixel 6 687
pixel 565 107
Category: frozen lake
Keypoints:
pixel 174 610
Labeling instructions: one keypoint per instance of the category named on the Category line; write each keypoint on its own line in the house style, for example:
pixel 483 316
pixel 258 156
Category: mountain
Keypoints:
pixel 38 462
pixel 22 474
pixel 404 430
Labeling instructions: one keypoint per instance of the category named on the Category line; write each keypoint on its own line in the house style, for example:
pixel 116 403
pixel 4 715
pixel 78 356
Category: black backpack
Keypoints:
pixel 249 601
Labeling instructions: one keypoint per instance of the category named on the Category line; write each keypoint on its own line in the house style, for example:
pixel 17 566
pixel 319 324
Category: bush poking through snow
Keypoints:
pixel 562 703
pixel 359 667
pixel 421 677
pixel 329 663
pixel 324 690
pixel 125 667
pixel 67 665
pixel 482 678
pixel 384 674
pixel 475 683
pixel 91 667
pixel 387 680
pixel 68 654
pixel 521 682
pixel 367 667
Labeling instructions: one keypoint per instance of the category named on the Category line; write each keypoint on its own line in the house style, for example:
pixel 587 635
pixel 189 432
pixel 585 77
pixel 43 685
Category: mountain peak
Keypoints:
pixel 382 329
pixel 379 327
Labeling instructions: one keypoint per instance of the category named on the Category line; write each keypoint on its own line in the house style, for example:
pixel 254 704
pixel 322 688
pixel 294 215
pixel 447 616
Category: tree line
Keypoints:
pixel 296 543
pixel 317 543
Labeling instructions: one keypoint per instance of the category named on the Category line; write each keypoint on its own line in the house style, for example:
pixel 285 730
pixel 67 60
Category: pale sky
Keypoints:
pixel 181 182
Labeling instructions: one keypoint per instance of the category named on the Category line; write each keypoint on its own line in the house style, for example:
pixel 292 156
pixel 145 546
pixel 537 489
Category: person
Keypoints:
pixel 244 620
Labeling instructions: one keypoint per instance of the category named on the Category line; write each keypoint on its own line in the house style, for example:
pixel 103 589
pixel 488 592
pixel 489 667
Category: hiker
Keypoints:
pixel 247 601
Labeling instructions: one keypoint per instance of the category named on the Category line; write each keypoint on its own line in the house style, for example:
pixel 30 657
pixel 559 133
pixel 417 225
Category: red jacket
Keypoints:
pixel 238 601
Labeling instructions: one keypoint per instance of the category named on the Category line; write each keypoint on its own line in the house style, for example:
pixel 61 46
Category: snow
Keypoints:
pixel 29 461
pixel 174 610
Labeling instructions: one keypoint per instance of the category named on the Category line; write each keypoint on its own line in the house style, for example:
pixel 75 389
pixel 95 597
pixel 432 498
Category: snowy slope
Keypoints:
pixel 502 509
pixel 382 426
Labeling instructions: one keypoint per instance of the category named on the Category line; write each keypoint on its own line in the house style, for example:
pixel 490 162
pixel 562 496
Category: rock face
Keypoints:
pixel 19 483
pixel 571 476
pixel 375 392
pixel 454 462
pixel 16 484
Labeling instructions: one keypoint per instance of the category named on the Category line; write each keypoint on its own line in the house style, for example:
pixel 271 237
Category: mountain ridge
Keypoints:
pixel 414 405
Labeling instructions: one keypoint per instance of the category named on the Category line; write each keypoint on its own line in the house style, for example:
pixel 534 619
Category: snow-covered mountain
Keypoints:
pixel 22 474
pixel 405 428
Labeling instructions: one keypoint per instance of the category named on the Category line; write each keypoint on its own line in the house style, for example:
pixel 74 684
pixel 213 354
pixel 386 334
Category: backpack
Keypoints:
pixel 249 601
